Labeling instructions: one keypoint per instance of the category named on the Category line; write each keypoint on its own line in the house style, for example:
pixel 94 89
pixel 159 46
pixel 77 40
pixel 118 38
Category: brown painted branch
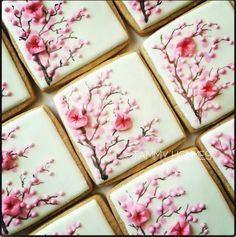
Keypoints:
pixel 110 146
pixel 97 164
pixel 142 5
pixel 173 32
pixel 157 4
pixel 144 190
pixel 3 226
pixel 47 78
pixel 11 219
pixel 225 154
pixel 123 150
pixel 142 230
pixel 196 111
pixel 97 120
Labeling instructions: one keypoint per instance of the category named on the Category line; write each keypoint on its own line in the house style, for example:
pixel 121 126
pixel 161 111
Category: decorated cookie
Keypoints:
pixel 39 173
pixel 58 40
pixel 218 146
pixel 193 59
pixel 175 197
pixel 145 16
pixel 113 125
pixel 86 218
pixel 17 93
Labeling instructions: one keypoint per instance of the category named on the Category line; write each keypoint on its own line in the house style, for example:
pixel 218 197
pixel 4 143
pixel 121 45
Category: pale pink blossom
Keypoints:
pixel 35 44
pixel 34 9
pixel 139 214
pixel 7 161
pixel 123 122
pixel 186 47
pixel 77 119
pixel 208 89
pixel 180 228
pixel 11 206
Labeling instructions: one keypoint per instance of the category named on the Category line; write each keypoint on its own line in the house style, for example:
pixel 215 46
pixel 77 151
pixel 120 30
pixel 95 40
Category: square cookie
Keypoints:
pixel 218 146
pixel 59 40
pixel 145 16
pixel 193 59
pixel 116 126
pixel 41 172
pixel 86 218
pixel 17 93
pixel 176 196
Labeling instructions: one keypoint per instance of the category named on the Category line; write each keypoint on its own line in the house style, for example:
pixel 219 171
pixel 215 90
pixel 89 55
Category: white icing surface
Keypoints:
pixel 89 215
pixel 226 128
pixel 209 12
pixel 102 39
pixel 36 127
pixel 15 84
pixel 167 8
pixel 127 77
pixel 199 187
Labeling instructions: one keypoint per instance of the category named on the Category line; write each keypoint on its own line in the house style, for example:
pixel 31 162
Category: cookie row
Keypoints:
pixel 56 41
pixel 42 176
pixel 166 198
pixel 185 57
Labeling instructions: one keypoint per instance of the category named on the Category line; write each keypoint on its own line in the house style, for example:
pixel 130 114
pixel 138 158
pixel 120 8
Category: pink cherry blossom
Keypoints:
pixel 34 9
pixel 7 161
pixel 35 44
pixel 186 47
pixel 77 119
pixel 139 214
pixel 208 89
pixel 180 228
pixel 122 122
pixel 11 206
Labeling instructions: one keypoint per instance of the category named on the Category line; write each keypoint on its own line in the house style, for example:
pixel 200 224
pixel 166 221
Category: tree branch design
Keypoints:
pixel 224 146
pixel 9 157
pixel 104 105
pixel 197 84
pixel 21 204
pixel 138 206
pixel 54 44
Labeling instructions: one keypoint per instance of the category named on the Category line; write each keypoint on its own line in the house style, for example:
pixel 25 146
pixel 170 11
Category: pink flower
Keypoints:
pixel 207 89
pixel 7 161
pixel 123 122
pixel 77 119
pixel 186 47
pixel 34 8
pixel 11 206
pixel 35 44
pixel 180 228
pixel 139 214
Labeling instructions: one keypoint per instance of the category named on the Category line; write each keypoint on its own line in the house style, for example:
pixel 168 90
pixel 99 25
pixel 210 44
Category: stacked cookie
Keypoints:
pixel 117 118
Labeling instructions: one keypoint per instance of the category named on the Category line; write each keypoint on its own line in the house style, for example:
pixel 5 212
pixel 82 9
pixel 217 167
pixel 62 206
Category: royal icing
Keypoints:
pixel 219 143
pixel 84 220
pixel 110 121
pixel 147 13
pixel 33 184
pixel 169 200
pixel 194 57
pixel 57 38
pixel 14 90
